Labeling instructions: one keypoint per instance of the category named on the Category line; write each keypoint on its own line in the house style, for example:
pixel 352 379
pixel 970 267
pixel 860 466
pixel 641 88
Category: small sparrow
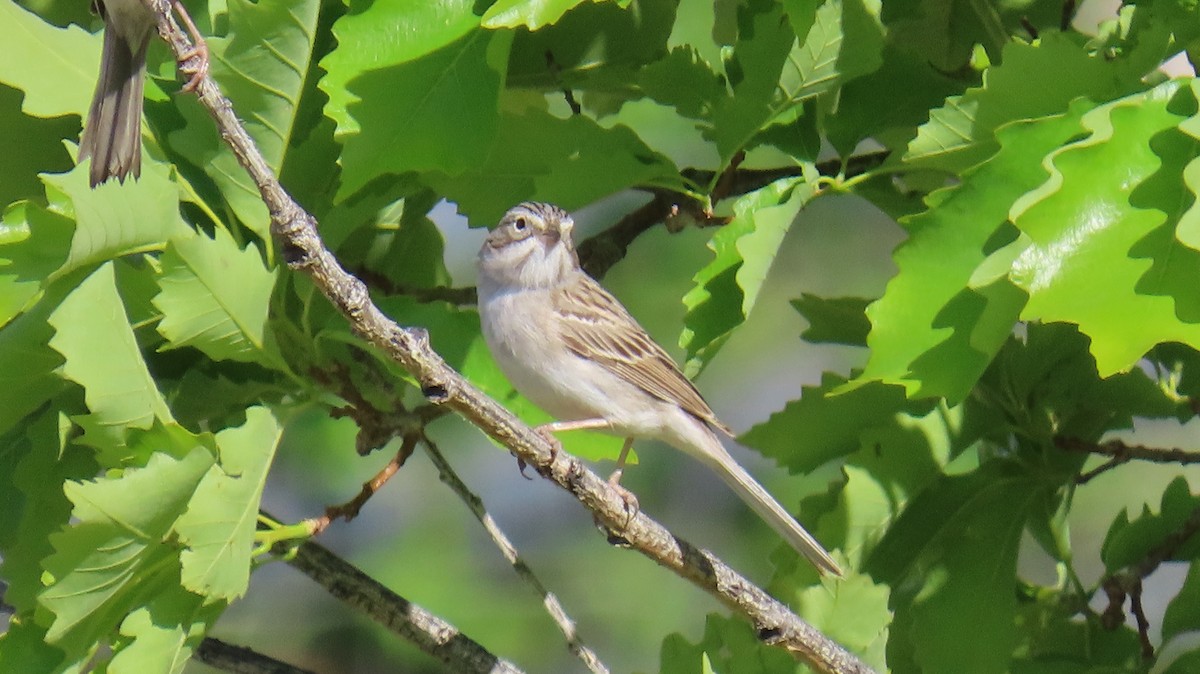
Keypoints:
pixel 112 133
pixel 571 348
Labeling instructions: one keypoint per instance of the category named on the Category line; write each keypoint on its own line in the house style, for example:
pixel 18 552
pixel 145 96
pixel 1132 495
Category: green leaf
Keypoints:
pixel 933 330
pixel 367 39
pixel 415 253
pixel 1185 663
pixel 955 552
pixel 1188 230
pixel 23 648
pixel 401 112
pixel 853 612
pixel 834 320
pixel 262 70
pixel 1104 258
pixel 1183 613
pixel 821 426
pixel 821 61
pixel 219 524
pixel 164 633
pixel 31 146
pixel 217 396
pixel 597 47
pixel 910 85
pixel 1033 81
pixel 772 72
pixel 113 220
pixel 1130 540
pixel 570 162
pixel 685 81
pixel 27 367
pixel 33 501
pixel 897 459
pixel 1049 380
pixel 945 33
pixel 81 228
pixel 727 288
pixel 730 645
pixel 764 43
pixel 118 388
pixel 36 245
pixel 1055 641
pixel 215 298
pixel 532 14
pixel 55 67
pixel 103 563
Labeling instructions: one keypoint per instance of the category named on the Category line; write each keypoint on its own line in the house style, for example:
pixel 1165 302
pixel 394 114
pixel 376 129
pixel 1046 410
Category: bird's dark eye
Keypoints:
pixel 520 224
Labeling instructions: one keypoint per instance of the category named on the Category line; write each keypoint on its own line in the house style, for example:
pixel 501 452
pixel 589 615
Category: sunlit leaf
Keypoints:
pixel 569 162
pixel 261 68
pixel 822 426
pixel 532 14
pixel 1032 82
pixel 163 635
pixel 401 111
pixel 727 288
pixel 55 67
pixel 117 545
pixel 215 298
pixel 1103 257
pixel 932 330
pixel 119 389
pixel 219 524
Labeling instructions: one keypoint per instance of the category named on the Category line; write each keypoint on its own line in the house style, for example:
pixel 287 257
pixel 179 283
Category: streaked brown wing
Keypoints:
pixel 597 327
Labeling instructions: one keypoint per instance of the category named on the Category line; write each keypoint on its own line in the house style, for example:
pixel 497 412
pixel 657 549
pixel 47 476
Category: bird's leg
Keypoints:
pixel 547 432
pixel 199 49
pixel 574 425
pixel 614 481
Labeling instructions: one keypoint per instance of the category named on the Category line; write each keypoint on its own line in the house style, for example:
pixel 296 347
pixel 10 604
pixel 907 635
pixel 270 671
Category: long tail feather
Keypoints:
pixel 750 491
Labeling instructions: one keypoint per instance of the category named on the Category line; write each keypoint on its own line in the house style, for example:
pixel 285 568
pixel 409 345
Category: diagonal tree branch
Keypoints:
pixel 301 247
pixel 240 660
pixel 429 632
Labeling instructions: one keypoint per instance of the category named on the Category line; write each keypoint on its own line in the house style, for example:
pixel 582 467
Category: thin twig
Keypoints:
pixel 553 606
pixel 600 252
pixel 296 234
pixel 1120 453
pixel 350 509
pixel 1128 581
pixel 430 633
pixel 1092 474
pixel 1139 618
pixel 240 660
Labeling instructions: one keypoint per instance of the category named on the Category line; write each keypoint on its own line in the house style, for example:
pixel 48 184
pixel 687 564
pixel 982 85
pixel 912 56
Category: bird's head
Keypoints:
pixel 531 247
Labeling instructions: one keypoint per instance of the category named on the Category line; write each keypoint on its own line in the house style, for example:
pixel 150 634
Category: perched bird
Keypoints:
pixel 112 132
pixel 570 347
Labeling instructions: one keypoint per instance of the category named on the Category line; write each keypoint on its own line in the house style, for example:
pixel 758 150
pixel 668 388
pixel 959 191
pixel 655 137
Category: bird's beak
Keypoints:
pixel 550 236
pixel 565 229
